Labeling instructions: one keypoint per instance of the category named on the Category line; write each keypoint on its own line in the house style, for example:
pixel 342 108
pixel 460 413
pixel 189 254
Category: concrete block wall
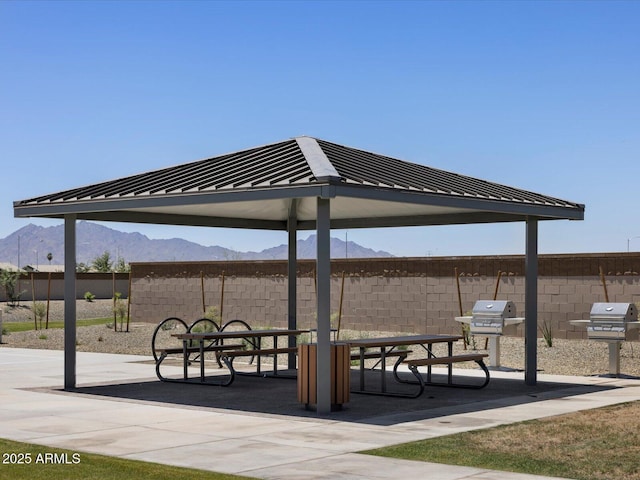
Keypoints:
pixel 100 284
pixel 417 295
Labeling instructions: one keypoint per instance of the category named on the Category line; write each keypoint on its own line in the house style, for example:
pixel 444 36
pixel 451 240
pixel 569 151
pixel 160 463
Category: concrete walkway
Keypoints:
pixel 262 445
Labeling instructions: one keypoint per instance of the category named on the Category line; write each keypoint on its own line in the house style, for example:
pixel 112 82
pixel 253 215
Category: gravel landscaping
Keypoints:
pixel 566 357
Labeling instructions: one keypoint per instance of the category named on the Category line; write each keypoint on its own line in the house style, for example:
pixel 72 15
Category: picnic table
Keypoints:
pixel 201 343
pixel 388 347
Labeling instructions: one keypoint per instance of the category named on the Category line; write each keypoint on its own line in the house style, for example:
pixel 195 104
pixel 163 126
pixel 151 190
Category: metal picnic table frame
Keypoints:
pixel 389 345
pixel 227 352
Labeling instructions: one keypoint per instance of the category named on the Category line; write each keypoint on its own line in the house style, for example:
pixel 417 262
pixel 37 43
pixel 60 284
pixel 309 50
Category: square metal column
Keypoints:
pixel 323 268
pixel 531 304
pixel 292 277
pixel 69 301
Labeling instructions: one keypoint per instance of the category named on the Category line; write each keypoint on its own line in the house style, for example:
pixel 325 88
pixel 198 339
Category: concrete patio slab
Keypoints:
pixel 256 427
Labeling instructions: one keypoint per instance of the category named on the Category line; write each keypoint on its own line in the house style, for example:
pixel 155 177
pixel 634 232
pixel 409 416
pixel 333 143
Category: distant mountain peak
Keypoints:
pixel 30 245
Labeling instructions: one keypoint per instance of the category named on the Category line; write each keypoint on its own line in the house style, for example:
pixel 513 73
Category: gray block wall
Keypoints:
pixel 396 295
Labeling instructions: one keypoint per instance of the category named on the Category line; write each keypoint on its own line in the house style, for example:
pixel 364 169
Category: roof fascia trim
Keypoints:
pixel 130 203
pixel 467 202
pixel 320 165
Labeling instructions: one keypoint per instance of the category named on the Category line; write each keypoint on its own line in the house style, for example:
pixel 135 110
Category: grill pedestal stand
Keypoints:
pixel 494 352
pixel 614 358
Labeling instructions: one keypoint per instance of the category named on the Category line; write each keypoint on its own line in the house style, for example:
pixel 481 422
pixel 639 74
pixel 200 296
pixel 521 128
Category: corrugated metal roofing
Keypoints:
pixel 365 168
pixel 278 164
pixel 299 163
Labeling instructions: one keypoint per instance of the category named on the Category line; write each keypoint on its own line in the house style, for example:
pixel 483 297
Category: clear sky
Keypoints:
pixel 540 95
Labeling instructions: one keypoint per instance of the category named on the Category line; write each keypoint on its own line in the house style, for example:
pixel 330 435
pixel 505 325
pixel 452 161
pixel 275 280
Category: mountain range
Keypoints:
pixel 31 244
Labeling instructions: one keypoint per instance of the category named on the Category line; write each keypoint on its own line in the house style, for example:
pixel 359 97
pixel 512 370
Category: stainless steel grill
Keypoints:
pixel 613 321
pixel 489 317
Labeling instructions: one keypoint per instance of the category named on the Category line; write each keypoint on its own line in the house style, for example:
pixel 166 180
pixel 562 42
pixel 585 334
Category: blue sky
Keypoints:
pixel 538 95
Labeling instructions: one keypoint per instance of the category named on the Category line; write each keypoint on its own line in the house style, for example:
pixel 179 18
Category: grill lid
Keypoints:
pixel 613 312
pixel 494 309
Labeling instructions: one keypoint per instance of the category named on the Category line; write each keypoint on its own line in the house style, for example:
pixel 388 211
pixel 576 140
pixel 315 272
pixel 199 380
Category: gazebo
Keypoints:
pixel 302 183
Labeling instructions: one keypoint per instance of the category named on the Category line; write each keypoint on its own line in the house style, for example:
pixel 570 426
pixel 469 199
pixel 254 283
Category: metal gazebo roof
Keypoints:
pixel 250 189
pixel 302 183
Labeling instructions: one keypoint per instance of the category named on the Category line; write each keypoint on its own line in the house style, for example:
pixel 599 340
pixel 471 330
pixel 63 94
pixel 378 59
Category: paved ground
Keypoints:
pixel 256 427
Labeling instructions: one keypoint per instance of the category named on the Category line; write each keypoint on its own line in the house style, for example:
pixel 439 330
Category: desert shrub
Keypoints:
pixel 213 313
pixel 9 281
pixel 40 311
pixel 547 333
pixel 120 308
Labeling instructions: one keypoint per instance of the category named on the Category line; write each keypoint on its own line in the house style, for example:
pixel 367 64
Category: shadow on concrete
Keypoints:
pixel 274 396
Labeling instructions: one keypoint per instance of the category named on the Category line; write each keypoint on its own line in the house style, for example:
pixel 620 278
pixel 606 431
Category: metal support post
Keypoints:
pixel 69 301
pixel 323 268
pixel 531 303
pixel 292 277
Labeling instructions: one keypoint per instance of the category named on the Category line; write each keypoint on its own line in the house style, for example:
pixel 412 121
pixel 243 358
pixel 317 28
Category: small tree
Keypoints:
pixel 120 308
pixel 103 263
pixel 213 313
pixel 9 281
pixel 121 266
pixel 40 311
pixel 82 268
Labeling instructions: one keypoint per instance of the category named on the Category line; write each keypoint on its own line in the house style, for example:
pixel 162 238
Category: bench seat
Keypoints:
pixel 229 356
pixel 210 348
pixel 413 365
pixel 370 355
pixel 262 351
pixel 218 348
pixel 467 357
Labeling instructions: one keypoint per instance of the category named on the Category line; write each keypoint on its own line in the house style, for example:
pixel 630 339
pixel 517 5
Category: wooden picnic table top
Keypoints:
pixel 403 340
pixel 273 332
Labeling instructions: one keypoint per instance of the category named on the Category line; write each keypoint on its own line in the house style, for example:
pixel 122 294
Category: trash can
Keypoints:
pixel 307 374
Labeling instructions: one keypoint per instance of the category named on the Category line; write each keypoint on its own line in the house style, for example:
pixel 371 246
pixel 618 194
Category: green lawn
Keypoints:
pixel 45 463
pixel 12 327
pixel 598 444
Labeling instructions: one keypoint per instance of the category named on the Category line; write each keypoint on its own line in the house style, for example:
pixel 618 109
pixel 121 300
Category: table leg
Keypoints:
pixel 185 359
pixel 275 355
pixel 450 366
pixel 258 365
pixel 383 363
pixel 430 354
pixel 202 360
pixel 362 368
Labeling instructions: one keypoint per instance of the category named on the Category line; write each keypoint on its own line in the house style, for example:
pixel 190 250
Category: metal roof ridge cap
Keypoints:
pixel 320 165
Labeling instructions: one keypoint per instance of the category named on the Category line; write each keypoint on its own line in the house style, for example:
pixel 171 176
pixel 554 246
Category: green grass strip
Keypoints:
pixel 597 444
pixel 14 327
pixel 47 463
pixel 462 449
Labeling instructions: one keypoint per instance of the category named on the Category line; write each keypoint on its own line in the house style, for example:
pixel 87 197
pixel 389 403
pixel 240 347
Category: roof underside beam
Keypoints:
pixel 417 220
pixel 184 220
